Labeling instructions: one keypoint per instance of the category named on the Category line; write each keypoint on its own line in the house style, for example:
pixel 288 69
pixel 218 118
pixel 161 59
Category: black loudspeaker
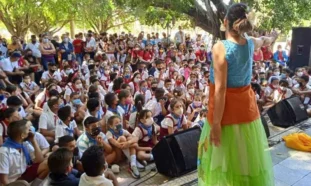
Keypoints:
pixel 288 112
pixel 176 154
pixel 265 126
pixel 300 52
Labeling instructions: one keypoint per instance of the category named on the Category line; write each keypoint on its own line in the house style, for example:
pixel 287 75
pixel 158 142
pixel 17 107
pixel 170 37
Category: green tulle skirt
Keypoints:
pixel 242 159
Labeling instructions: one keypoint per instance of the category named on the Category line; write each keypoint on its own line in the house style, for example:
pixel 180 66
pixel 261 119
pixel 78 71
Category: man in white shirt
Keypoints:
pixel 90 46
pixel 179 37
pixel 49 119
pixel 34 47
pixel 10 65
pixel 52 73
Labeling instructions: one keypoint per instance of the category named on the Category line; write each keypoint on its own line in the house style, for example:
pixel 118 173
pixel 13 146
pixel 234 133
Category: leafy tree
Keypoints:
pixel 52 16
pixel 18 15
pixel 102 15
pixel 209 14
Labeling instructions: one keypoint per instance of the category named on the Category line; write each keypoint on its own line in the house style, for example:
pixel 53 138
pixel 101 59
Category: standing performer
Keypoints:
pixel 233 148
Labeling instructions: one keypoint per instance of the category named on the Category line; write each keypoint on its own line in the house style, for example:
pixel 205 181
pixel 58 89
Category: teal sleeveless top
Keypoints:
pixel 240 62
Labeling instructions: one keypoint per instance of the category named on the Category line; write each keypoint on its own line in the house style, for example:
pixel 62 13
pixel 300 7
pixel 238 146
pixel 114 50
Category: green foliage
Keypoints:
pixel 282 14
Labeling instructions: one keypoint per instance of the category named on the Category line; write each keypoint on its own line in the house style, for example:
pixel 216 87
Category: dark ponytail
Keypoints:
pixel 237 16
pixel 139 102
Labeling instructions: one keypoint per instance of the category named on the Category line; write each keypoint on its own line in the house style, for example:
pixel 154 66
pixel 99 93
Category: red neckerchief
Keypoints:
pixel 127 80
pixel 51 76
pixel 5 122
pixel 73 87
pixel 136 86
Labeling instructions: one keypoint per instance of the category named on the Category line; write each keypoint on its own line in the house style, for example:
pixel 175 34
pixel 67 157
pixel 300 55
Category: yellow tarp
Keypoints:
pixel 298 141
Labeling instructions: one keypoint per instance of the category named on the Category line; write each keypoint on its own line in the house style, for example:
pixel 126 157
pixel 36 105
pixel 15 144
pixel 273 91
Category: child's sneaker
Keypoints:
pixel 140 166
pixel 134 171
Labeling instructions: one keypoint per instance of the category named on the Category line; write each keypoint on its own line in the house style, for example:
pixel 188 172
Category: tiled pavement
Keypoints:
pixel 291 168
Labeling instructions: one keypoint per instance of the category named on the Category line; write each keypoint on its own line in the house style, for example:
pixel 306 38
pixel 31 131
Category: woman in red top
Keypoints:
pixel 258 56
pixel 146 55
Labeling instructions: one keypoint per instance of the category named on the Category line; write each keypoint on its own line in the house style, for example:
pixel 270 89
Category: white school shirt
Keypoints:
pixel 164 76
pixel 8 66
pixel 13 163
pixel 168 122
pixel 61 129
pixel 46 76
pixel 86 180
pixel 48 120
pixel 109 114
pixel 147 95
pixel 42 142
pixel 91 43
pixel 34 48
pixel 31 86
pixel 137 133
pixel 109 135
pixel 69 90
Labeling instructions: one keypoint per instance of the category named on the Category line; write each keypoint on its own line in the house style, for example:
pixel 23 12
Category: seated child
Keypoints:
pixel 95 166
pixel 174 121
pixel 70 143
pixel 65 126
pixel 93 136
pixel 19 159
pixel 30 87
pixel 195 107
pixel 146 134
pixel 122 139
pixel 60 166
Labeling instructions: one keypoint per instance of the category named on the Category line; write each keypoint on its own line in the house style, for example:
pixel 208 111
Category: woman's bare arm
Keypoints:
pixel 221 71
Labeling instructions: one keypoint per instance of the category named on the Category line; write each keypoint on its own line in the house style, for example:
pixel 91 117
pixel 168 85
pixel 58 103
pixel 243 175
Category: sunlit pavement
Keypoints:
pixel 291 168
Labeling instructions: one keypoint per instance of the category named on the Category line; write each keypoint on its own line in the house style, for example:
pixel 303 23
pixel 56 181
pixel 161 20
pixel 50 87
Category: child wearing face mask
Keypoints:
pixel 144 90
pixel 174 121
pixel 29 86
pixel 104 76
pixel 125 102
pixel 190 92
pixel 123 140
pixel 145 134
pixel 195 108
pixel 75 86
pixel 135 82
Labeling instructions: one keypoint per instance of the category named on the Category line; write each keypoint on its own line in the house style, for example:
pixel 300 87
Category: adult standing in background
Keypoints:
pixel 48 52
pixel 90 45
pixel 66 49
pixel 34 47
pixel 179 37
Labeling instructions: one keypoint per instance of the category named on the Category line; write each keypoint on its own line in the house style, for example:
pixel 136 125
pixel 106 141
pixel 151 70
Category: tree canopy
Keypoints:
pixel 20 16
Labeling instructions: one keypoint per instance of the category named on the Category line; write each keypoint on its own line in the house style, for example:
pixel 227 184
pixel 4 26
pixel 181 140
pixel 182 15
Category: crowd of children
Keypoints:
pixel 66 118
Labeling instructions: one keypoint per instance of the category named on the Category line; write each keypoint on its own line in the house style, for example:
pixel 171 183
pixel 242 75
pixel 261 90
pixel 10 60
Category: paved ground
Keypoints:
pixel 291 168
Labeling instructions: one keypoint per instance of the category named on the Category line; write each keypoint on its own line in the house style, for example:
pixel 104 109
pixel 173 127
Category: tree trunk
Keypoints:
pixel 72 28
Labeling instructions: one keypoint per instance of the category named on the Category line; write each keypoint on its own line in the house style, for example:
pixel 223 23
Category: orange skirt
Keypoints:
pixel 240 106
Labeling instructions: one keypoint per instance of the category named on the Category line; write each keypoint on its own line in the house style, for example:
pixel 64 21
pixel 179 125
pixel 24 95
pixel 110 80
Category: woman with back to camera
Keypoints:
pixel 233 148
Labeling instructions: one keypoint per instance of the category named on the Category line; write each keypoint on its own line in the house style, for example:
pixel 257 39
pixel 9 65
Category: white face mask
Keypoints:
pixel 179 111
pixel 275 86
pixel 191 91
pixel 66 40
pixel 68 71
pixel 149 121
pixel 79 86
pixel 299 74
pixel 276 73
pixel 45 40
pixel 136 80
